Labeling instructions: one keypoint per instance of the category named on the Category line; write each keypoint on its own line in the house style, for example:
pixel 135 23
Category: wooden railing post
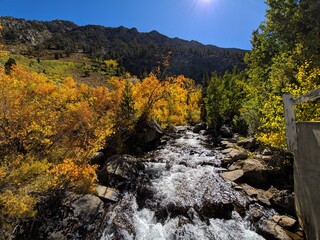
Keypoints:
pixel 290 120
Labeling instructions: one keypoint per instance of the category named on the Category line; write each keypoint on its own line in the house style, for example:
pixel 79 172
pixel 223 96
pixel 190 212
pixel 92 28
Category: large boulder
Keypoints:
pixel 67 216
pixel 120 170
pixel 254 171
pixel 147 135
pixel 86 207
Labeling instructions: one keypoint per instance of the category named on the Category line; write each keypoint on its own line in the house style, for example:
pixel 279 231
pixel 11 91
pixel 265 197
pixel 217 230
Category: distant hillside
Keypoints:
pixel 139 53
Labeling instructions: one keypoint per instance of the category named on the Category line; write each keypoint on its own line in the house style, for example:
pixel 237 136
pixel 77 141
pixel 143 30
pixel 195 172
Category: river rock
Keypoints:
pixel 225 131
pixel 255 212
pixel 201 126
pixel 283 201
pixel 182 129
pixel 86 207
pixel 144 196
pixel 247 165
pixel 120 170
pixel 248 143
pixel 228 144
pixel 267 152
pixel 55 235
pixel 107 193
pixel 285 221
pixel 171 130
pixel 233 155
pixel 266 158
pixel 232 176
pixel 236 154
pixel 212 209
pixel 147 135
pixel 254 171
pixel 271 230
pixel 226 161
pixel 260 195
pixel 226 151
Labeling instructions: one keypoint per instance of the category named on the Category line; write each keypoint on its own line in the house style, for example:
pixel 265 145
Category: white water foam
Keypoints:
pixel 180 181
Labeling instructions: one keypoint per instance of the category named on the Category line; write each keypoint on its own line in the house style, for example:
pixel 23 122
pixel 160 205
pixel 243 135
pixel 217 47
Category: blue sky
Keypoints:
pixel 225 23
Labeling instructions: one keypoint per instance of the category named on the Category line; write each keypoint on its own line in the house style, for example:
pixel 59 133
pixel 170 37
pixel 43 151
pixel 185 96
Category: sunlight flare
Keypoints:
pixel 205 1
pixel 202 9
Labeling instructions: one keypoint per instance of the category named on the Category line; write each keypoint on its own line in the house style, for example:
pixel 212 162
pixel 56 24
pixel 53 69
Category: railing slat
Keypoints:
pixel 308 96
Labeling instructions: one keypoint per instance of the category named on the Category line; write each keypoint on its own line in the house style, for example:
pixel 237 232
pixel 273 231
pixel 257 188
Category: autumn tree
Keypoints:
pixel 50 129
pixel 284 57
pixel 172 101
pixel 48 132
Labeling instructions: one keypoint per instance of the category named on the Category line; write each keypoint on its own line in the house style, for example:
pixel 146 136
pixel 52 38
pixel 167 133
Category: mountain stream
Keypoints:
pixel 184 198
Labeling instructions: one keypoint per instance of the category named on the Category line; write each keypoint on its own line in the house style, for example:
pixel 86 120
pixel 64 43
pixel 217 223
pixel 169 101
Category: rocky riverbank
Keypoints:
pixel 266 176
pixel 187 188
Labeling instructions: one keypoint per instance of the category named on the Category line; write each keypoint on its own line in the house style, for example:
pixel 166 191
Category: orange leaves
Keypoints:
pixel 49 130
pixel 37 115
pixel 74 174
pixel 69 82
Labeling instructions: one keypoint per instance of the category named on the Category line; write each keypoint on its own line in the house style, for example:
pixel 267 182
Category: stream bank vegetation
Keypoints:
pixel 50 129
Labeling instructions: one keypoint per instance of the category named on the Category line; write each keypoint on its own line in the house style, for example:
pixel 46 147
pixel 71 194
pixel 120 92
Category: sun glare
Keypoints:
pixel 202 9
pixel 205 1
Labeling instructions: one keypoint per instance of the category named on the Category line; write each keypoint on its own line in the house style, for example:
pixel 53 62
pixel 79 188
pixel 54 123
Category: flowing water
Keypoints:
pixel 184 199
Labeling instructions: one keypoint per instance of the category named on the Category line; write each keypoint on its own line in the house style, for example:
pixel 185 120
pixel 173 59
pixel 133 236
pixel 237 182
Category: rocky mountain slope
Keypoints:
pixel 139 53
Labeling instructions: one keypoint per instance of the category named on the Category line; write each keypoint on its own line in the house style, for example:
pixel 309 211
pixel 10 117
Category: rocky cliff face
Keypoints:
pixel 32 32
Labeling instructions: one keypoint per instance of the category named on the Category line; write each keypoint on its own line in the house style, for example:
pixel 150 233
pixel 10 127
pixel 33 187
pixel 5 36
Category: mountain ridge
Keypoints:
pixel 137 52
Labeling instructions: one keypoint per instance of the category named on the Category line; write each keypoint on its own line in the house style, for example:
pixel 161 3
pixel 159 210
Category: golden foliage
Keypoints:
pixel 21 179
pixel 73 173
pixel 49 130
pixel 17 205
pixel 174 101
pixel 273 125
